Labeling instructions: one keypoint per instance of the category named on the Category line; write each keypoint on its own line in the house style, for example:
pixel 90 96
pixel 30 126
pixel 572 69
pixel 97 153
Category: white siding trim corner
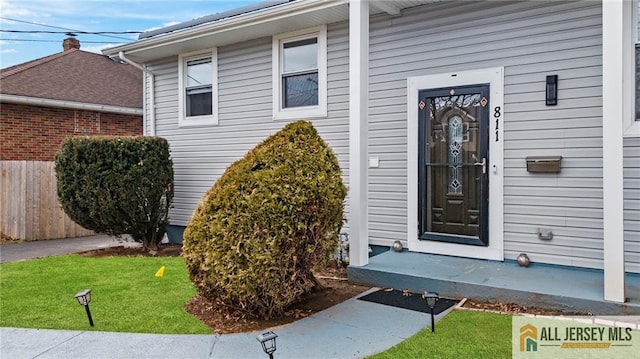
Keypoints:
pixel 612 157
pixel 358 110
pixel 495 78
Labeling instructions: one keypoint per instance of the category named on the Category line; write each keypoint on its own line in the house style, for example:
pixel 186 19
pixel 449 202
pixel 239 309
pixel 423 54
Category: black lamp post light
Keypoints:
pixel 431 298
pixel 268 342
pixel 84 297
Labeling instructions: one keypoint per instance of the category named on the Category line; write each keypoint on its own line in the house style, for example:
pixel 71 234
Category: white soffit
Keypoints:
pixel 228 32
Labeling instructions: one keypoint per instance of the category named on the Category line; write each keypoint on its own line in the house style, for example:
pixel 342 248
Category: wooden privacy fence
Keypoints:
pixel 29 207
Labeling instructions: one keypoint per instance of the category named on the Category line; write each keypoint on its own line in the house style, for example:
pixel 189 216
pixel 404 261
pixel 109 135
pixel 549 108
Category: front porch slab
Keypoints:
pixel 569 289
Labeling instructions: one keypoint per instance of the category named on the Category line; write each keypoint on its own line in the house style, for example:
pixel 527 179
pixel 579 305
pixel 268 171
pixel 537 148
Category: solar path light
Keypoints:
pixel 431 299
pixel 268 342
pixel 84 297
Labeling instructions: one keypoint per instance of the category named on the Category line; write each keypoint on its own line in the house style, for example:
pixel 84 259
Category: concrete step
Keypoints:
pixel 568 289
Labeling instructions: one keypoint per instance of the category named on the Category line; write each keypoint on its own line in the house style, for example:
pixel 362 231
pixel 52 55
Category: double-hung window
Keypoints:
pixel 637 49
pixel 300 74
pixel 198 89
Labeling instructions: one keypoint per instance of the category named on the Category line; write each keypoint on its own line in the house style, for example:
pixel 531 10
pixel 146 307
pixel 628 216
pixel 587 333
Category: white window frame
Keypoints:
pixel 630 39
pixel 205 120
pixel 320 110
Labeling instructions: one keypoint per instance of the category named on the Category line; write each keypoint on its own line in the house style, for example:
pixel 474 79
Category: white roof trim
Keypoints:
pixel 46 102
pixel 269 14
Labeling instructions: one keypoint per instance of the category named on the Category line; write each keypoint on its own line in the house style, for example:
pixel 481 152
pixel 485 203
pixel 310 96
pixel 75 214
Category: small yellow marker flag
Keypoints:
pixel 160 272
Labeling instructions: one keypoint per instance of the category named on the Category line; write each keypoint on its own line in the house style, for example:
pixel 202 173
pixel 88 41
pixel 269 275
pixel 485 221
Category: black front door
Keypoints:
pixel 453 160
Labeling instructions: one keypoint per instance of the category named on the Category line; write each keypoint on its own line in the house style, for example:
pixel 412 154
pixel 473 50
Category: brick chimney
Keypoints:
pixel 70 43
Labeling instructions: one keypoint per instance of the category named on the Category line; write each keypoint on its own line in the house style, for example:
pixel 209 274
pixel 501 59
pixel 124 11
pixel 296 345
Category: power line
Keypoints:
pixel 57 41
pixel 71 34
pixel 58 27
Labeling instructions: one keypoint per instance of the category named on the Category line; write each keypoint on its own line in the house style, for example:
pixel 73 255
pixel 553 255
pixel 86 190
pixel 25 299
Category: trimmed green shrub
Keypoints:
pixel 270 218
pixel 117 185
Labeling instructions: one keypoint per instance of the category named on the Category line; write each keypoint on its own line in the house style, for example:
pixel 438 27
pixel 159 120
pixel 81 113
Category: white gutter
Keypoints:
pixel 152 100
pixel 46 102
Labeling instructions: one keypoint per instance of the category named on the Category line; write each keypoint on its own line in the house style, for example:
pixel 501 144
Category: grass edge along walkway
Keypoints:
pixel 460 334
pixel 126 294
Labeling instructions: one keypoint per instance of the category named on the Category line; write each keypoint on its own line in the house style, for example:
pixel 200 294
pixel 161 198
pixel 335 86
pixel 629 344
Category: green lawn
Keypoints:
pixel 126 295
pixel 460 334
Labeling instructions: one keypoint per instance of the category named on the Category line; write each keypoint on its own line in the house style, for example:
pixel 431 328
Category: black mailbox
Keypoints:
pixel 543 164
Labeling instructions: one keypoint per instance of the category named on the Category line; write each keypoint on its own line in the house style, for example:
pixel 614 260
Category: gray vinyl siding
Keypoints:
pixel 632 204
pixel 201 154
pixel 531 40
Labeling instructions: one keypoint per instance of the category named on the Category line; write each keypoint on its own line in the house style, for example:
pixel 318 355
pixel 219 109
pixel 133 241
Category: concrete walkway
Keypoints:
pixel 352 329
pixel 12 252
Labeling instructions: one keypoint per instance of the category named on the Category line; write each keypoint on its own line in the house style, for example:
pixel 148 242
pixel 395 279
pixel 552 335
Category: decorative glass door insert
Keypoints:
pixel 453 157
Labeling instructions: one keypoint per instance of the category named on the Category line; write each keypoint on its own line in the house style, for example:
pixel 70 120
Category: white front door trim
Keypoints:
pixel 495 78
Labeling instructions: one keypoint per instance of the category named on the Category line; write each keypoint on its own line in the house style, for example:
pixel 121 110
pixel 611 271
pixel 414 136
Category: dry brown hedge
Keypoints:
pixel 269 219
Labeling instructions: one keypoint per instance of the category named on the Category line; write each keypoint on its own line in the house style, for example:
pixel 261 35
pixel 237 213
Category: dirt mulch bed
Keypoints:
pixel 165 250
pixel 6 239
pixel 514 308
pixel 336 290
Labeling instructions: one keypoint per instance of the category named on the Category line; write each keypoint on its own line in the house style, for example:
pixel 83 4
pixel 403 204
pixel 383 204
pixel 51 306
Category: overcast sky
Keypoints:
pixel 91 16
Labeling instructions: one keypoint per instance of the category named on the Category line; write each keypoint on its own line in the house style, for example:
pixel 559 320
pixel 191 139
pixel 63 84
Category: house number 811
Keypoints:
pixel 497 111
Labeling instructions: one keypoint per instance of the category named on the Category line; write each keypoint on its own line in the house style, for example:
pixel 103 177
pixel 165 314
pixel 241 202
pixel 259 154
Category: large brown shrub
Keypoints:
pixel 271 217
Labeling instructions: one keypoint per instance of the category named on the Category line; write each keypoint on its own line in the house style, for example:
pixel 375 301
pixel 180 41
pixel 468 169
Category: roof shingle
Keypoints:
pixel 78 76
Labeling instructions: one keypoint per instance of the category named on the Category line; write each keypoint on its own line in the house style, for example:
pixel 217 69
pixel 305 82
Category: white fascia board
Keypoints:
pixel 275 13
pixel 45 102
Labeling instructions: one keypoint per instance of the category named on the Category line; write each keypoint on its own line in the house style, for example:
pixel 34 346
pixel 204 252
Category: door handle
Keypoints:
pixel 483 164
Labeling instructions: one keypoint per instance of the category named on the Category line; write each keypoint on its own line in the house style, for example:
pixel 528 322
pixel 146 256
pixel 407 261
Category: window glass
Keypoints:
pixel 199 72
pixel 199 102
pixel 199 90
pixel 300 55
pixel 300 90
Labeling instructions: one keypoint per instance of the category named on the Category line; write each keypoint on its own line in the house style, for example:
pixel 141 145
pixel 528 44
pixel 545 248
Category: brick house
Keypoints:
pixel 66 94
pixel 42 102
